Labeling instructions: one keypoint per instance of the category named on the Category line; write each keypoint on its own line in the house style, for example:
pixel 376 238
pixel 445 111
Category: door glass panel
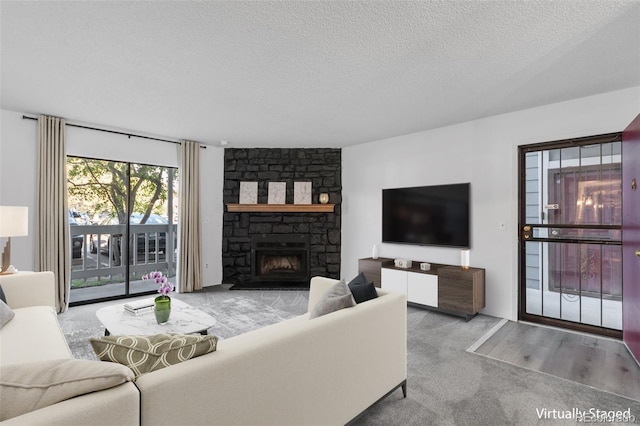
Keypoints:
pixel 573 270
pixel 532 187
pixel 95 187
pixel 534 277
pixel 152 229
pixel 552 273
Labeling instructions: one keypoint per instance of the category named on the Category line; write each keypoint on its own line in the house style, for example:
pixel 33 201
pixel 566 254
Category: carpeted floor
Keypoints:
pixel 235 312
pixel 446 384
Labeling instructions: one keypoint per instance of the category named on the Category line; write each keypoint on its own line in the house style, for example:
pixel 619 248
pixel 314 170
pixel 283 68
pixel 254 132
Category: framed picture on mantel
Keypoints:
pixel 277 193
pixel 248 193
pixel 301 192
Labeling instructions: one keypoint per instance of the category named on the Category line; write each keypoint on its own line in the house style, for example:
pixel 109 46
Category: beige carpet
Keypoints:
pixel 235 312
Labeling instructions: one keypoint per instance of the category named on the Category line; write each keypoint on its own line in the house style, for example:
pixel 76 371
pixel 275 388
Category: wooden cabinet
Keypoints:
pixel 461 291
pixel 372 268
pixel 447 288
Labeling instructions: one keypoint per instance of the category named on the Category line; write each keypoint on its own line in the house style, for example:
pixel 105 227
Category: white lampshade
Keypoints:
pixel 14 221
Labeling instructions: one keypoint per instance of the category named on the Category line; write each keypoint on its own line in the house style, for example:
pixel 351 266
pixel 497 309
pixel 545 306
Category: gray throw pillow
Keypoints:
pixel 6 314
pixel 337 297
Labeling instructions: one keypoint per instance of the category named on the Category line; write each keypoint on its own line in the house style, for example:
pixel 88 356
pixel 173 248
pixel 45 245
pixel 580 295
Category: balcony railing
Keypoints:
pixel 98 250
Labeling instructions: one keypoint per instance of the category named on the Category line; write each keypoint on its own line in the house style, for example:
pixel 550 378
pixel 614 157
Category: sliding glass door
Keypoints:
pixel 123 218
pixel 570 234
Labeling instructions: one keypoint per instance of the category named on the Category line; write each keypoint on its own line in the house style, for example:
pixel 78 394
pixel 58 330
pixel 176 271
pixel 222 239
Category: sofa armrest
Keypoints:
pixel 119 405
pixel 317 287
pixel 25 289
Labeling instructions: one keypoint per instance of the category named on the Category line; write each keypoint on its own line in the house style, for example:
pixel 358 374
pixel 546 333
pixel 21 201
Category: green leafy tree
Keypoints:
pixel 103 186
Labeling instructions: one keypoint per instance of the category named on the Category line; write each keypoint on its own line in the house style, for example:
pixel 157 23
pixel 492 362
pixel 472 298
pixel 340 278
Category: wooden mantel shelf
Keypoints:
pixel 281 208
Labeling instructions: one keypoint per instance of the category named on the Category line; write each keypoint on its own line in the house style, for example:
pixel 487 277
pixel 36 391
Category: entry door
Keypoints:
pixel 631 236
pixel 570 234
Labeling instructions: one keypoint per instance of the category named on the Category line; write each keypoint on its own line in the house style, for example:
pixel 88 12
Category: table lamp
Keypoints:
pixel 14 222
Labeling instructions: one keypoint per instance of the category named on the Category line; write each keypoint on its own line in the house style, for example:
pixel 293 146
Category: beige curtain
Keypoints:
pixel 189 258
pixel 52 228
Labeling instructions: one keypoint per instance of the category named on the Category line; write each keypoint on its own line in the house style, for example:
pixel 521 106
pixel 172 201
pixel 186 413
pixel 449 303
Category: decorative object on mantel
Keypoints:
pixel 163 302
pixel 248 193
pixel 301 192
pixel 14 222
pixel 324 198
pixel 277 193
pixel 464 259
pixel 280 208
pixel 374 254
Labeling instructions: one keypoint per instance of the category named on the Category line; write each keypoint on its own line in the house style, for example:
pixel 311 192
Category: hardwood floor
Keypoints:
pixel 591 360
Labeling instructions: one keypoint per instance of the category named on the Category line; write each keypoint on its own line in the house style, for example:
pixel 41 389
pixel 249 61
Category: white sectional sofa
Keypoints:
pixel 34 335
pixel 320 371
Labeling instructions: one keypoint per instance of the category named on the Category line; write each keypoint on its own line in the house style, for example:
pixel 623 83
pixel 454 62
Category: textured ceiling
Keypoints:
pixel 308 74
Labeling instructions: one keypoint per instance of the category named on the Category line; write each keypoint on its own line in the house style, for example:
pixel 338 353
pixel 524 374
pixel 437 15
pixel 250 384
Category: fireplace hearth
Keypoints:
pixel 280 258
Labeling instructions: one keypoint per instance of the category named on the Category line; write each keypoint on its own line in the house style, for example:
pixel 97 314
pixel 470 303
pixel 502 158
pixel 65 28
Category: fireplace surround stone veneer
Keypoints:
pixel 320 166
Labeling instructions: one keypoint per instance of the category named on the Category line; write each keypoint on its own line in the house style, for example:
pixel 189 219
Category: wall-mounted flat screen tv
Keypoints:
pixel 436 215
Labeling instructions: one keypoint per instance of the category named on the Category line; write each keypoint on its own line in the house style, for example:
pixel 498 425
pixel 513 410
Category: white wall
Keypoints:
pixel 18 174
pixel 18 162
pixel 483 152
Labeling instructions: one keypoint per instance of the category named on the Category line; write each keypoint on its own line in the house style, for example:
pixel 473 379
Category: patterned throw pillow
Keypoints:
pixel 144 354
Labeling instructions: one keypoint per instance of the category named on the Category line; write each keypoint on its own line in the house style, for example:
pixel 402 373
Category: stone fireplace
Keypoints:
pixel 243 231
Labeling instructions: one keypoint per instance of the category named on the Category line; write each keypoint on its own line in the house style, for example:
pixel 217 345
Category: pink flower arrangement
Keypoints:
pixel 165 286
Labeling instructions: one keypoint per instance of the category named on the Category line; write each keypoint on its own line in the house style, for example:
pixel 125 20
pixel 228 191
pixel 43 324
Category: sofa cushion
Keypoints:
pixel 30 386
pixel 143 354
pixel 362 289
pixel 6 314
pixel 2 296
pixel 337 297
pixel 33 335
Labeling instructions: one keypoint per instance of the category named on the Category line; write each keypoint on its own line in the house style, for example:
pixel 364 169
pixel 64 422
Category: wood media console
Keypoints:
pixel 446 288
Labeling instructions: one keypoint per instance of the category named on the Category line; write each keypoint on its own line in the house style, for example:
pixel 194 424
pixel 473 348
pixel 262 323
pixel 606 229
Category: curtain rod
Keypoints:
pixel 129 135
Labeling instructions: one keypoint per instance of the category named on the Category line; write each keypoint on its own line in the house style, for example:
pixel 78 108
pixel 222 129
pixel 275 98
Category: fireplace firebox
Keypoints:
pixel 280 258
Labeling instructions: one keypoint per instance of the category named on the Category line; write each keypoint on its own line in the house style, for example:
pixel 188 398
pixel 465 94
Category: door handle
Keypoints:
pixel 638 253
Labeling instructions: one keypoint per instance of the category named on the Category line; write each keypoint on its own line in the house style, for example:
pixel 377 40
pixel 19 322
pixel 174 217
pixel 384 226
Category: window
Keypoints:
pixel 123 219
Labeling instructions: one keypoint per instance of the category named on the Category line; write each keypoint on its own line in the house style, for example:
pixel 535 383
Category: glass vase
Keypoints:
pixel 162 309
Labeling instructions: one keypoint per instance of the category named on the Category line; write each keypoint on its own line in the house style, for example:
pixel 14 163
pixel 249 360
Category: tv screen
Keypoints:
pixel 427 215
